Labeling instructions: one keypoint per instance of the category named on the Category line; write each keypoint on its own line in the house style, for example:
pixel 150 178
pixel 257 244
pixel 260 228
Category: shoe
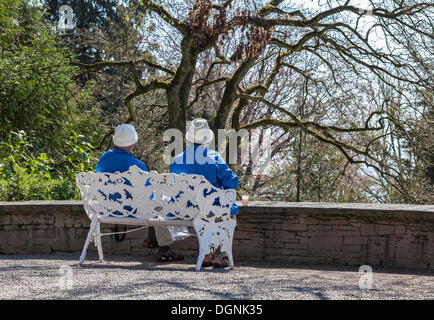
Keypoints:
pixel 169 256
pixel 207 261
pixel 220 263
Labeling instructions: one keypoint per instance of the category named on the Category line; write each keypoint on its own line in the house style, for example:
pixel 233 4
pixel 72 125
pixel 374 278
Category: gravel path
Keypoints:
pixel 129 277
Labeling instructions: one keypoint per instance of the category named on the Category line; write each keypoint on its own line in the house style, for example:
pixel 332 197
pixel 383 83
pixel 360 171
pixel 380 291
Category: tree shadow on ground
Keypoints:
pixel 311 285
pixel 149 262
pixel 274 264
pixel 143 265
pixel 134 290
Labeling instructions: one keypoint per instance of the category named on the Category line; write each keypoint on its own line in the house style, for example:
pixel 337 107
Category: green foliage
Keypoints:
pixel 44 115
pixel 77 156
pixel 34 78
pixel 25 176
pixel 33 91
pixel 23 185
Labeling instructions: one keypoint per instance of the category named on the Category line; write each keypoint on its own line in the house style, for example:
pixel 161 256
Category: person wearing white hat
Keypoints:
pixel 198 159
pixel 199 132
pixel 120 159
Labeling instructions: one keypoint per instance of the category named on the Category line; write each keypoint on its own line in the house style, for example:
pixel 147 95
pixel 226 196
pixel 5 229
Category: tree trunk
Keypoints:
pixel 180 86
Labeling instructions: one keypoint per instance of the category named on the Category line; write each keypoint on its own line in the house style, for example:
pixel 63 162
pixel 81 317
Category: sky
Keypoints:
pixel 314 3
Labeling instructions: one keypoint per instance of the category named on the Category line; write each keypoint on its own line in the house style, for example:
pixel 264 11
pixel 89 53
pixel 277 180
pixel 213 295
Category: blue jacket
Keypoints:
pixel 118 160
pixel 197 159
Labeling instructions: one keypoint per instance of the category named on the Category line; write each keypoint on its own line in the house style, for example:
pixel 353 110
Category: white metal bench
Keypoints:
pixel 132 197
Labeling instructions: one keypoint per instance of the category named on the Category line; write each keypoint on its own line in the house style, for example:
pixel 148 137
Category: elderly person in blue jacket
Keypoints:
pixel 198 159
pixel 120 159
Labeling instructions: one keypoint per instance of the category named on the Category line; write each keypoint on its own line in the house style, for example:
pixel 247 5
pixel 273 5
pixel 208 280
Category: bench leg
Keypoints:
pixel 200 260
pixel 229 249
pixel 204 245
pixel 98 242
pixel 231 259
pixel 93 225
pixel 215 236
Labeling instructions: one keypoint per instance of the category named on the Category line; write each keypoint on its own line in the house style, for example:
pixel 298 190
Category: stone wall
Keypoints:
pixel 354 234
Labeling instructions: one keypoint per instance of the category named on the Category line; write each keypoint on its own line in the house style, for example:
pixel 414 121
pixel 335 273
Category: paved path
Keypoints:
pixel 127 277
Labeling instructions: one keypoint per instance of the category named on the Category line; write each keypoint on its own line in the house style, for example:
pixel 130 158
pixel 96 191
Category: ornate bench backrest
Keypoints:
pixel 137 194
pixel 109 194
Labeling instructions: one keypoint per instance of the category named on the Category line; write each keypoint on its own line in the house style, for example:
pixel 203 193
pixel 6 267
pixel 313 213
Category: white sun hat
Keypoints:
pixel 125 135
pixel 199 132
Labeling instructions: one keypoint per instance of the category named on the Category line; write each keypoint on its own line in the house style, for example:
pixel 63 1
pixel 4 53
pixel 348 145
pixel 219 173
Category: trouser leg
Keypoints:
pixel 163 236
pixel 151 233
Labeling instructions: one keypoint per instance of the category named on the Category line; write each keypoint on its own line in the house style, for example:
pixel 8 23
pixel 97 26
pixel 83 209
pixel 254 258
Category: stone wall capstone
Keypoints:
pixel 332 233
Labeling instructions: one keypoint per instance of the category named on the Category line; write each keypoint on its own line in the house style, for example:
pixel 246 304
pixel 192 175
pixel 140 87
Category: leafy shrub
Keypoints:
pixel 24 176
